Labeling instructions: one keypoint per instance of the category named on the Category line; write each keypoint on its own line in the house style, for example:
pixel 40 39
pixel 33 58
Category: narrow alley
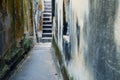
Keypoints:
pixel 59 39
pixel 39 65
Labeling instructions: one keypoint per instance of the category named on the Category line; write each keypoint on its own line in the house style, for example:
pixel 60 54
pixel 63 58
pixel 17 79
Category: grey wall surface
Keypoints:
pixel 1 43
pixel 94 47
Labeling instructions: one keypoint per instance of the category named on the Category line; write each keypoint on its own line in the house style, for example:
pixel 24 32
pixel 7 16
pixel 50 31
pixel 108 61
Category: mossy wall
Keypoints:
pixel 6 24
pixel 15 19
pixel 16 30
pixel 19 26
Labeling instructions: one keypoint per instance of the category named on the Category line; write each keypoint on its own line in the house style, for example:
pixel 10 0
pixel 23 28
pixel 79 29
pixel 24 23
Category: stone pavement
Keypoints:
pixel 38 65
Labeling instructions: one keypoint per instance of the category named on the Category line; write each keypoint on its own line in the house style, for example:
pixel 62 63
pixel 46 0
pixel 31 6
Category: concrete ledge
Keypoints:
pixel 59 57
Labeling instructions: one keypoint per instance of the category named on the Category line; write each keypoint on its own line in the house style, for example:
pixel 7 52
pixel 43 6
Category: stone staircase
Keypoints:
pixel 47 21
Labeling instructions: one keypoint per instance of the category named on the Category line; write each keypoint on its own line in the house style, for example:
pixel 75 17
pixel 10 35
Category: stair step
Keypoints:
pixel 48 11
pixel 46 19
pixel 47 15
pixel 47 31
pixel 48 8
pixel 47 28
pixel 47 35
pixel 47 22
pixel 44 35
pixel 49 25
pixel 47 5
pixel 44 39
pixel 47 0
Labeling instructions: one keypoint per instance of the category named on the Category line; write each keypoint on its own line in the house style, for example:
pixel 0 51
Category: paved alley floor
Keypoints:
pixel 38 65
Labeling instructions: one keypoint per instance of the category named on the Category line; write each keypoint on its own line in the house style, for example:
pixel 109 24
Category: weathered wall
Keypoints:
pixel 38 9
pixel 14 22
pixel 17 29
pixel 18 19
pixel 6 25
pixel 58 20
pixel 93 52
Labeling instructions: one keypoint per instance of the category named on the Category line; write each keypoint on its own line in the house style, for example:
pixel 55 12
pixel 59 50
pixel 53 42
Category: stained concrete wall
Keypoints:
pixel 7 29
pixel 38 9
pixel 58 22
pixel 17 30
pixel 92 49
pixel 12 23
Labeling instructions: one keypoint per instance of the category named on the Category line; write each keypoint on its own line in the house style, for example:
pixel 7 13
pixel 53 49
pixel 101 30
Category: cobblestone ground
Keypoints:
pixel 38 65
